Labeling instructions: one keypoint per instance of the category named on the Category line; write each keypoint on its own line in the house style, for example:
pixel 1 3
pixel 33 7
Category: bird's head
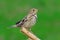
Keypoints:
pixel 33 11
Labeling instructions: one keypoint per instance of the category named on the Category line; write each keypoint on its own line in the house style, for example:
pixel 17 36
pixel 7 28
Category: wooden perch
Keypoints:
pixel 29 34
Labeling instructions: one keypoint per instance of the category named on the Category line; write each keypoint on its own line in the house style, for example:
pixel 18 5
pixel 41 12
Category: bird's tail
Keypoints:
pixel 13 26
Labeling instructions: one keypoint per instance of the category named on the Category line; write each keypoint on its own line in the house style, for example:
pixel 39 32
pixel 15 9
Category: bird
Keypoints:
pixel 29 20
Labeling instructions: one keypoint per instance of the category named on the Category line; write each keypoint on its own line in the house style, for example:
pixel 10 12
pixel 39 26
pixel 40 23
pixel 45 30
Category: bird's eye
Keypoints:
pixel 33 10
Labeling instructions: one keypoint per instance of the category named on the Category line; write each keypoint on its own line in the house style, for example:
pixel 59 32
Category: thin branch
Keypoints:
pixel 29 34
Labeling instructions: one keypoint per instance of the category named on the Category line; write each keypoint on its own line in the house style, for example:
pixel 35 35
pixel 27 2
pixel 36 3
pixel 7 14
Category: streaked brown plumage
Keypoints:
pixel 29 20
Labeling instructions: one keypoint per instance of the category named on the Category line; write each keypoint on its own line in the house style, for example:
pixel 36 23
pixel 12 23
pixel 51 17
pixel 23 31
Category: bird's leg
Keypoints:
pixel 29 29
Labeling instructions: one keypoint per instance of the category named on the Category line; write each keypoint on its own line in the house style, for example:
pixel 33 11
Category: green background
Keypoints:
pixel 48 21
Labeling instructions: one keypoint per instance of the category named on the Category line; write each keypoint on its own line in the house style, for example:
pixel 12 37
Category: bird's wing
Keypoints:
pixel 21 22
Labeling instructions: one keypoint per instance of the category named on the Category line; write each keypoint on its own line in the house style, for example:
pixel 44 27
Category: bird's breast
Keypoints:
pixel 30 22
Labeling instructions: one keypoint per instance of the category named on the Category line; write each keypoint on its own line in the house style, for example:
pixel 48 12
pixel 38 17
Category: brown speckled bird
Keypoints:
pixel 29 20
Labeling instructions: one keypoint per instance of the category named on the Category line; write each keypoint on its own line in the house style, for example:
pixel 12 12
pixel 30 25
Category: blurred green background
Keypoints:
pixel 48 21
